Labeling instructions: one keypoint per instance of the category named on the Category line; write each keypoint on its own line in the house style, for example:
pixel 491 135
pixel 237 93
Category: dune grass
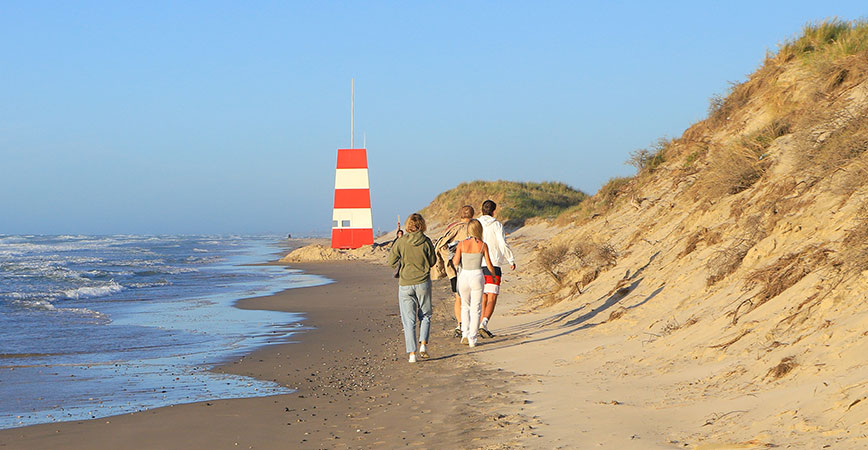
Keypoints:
pixel 827 40
pixel 516 201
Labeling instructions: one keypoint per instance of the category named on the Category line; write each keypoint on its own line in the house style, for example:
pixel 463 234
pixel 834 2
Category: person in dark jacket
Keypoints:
pixel 414 255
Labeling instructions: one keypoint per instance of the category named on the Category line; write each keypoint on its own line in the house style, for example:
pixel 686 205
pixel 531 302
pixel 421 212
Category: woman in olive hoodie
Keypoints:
pixel 415 254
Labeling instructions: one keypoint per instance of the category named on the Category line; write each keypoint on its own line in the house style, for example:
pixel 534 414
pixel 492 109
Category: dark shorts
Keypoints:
pixel 492 282
pixel 454 282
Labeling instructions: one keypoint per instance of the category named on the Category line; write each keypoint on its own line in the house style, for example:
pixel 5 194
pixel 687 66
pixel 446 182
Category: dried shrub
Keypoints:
pixel 588 277
pixel 784 273
pixel 730 171
pixel 595 259
pixel 598 204
pixel 725 345
pixel 855 253
pixel 617 314
pixel 843 138
pixel 726 261
pixel 701 235
pixel 549 260
pixel 741 164
pixel 673 325
pixel 649 159
pixel 759 141
pixel 722 107
pixel 594 254
pixel 784 367
pixel 574 266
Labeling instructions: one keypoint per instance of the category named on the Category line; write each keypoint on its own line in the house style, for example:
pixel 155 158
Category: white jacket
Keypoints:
pixel 492 235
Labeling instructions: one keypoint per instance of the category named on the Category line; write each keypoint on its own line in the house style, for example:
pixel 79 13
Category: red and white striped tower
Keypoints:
pixel 352 225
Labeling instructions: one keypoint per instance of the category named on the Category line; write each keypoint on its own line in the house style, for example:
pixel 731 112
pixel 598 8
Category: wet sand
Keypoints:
pixel 355 388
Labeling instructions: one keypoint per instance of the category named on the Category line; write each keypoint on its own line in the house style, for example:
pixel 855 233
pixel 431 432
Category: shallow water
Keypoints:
pixel 92 326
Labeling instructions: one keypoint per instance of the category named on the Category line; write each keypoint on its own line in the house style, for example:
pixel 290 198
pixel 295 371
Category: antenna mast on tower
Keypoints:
pixel 352 112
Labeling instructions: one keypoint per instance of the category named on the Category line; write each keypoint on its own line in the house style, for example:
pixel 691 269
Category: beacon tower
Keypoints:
pixel 352 225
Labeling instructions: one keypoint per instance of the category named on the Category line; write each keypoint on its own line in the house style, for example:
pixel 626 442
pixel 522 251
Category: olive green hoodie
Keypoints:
pixel 415 254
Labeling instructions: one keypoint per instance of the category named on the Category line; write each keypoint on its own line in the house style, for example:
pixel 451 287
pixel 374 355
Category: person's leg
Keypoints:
pixel 491 290
pixel 475 308
pixel 464 293
pixel 491 302
pixel 407 305
pixel 456 306
pixel 423 295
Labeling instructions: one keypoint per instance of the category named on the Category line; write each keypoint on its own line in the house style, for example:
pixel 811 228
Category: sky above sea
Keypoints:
pixel 225 117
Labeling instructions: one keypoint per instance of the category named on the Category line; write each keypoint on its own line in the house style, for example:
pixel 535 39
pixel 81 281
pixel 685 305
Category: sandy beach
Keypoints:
pixel 355 388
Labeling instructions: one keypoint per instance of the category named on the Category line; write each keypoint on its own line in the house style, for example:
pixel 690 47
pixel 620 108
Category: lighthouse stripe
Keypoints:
pixel 351 237
pixel 352 158
pixel 352 198
pixel 356 217
pixel 351 179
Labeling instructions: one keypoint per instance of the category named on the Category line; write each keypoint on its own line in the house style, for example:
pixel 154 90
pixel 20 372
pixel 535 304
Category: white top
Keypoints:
pixel 492 234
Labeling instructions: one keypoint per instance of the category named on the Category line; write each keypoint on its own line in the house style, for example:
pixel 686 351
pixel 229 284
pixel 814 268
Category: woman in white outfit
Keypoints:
pixel 468 259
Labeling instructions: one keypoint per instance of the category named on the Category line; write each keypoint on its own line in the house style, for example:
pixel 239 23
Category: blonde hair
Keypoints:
pixel 474 229
pixel 415 223
pixel 466 212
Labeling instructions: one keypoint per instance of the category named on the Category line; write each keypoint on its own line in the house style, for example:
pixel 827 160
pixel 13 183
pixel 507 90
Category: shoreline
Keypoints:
pixel 353 384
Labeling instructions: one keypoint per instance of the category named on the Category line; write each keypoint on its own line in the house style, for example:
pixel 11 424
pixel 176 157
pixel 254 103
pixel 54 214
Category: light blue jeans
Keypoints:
pixel 415 304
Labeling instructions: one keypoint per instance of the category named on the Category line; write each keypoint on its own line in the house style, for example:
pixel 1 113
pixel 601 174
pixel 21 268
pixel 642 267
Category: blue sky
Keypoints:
pixel 225 117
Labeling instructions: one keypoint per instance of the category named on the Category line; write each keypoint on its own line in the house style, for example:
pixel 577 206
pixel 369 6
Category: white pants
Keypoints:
pixel 470 283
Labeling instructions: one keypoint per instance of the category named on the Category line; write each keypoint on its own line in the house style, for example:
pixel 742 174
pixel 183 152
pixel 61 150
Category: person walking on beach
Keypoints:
pixel 470 255
pixel 501 255
pixel 455 233
pixel 413 255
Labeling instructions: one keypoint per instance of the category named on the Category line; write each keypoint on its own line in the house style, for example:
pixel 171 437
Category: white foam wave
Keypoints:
pixel 203 259
pixel 177 270
pixel 93 291
pixel 45 305
pixel 35 304
pixel 25 296
pixel 200 250
pixel 152 284
pixel 85 312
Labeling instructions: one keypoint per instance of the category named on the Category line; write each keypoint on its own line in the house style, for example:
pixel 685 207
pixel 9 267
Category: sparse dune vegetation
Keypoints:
pixel 753 222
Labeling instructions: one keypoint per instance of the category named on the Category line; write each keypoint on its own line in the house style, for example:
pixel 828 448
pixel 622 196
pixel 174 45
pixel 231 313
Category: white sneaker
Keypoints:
pixel 412 357
pixel 423 351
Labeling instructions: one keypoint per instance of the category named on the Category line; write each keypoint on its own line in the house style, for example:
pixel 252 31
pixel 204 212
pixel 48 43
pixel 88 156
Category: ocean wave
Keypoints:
pixel 203 259
pixel 179 270
pixel 103 273
pixel 28 296
pixel 167 270
pixel 46 305
pixel 200 250
pixel 150 284
pixel 93 291
pixel 35 304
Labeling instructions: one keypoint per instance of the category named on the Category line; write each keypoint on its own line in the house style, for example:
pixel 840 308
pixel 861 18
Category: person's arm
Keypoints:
pixel 430 254
pixel 504 247
pixel 457 258
pixel 487 259
pixel 394 256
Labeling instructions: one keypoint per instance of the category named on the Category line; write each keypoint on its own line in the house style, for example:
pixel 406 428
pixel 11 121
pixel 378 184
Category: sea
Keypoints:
pixel 93 326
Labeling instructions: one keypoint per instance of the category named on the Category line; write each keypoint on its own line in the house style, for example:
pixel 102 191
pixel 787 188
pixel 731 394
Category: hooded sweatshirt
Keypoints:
pixel 492 234
pixel 415 254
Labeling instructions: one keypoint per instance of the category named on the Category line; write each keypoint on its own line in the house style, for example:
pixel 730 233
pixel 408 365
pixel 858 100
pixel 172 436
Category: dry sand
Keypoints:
pixel 355 388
